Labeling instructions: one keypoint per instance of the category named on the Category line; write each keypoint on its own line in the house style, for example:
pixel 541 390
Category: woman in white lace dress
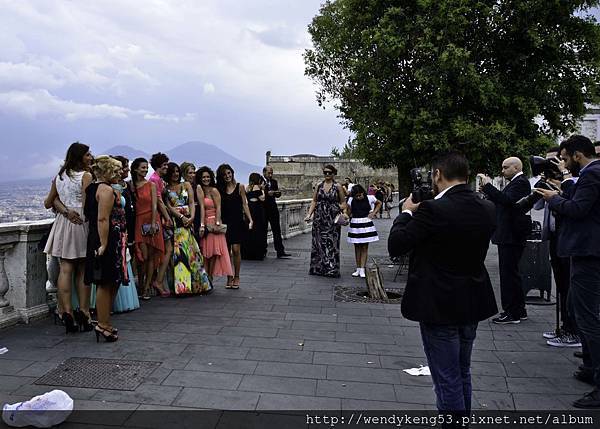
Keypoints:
pixel 68 236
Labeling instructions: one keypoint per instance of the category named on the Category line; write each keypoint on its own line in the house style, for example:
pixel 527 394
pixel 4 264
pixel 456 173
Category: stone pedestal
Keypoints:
pixel 22 272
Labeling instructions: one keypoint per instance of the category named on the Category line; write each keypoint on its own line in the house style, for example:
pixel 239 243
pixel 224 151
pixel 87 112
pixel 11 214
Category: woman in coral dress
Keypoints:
pixel 149 243
pixel 214 244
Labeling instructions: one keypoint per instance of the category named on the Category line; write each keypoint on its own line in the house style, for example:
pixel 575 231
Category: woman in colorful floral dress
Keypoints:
pixel 188 264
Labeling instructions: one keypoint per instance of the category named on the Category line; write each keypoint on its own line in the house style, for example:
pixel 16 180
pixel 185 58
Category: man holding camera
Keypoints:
pixel 510 236
pixel 579 240
pixel 448 289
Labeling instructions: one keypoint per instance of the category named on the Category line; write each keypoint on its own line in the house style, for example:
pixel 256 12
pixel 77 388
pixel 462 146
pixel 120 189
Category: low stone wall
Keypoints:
pixel 24 285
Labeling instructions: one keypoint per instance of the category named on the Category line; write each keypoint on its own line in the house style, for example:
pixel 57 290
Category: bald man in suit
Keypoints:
pixel 510 236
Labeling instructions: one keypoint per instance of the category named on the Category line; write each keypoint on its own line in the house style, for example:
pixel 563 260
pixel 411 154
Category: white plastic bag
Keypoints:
pixel 43 411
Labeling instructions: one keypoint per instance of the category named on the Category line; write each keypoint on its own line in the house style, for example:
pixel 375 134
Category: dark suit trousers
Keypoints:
pixel 561 268
pixel 584 301
pixel 448 350
pixel 511 291
pixel 272 217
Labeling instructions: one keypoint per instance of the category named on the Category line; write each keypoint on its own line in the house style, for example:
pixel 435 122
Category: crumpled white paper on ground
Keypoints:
pixel 3 350
pixel 421 370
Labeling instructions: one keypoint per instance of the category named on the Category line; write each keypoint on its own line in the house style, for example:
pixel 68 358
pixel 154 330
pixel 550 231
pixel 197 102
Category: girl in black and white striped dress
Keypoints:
pixel 362 208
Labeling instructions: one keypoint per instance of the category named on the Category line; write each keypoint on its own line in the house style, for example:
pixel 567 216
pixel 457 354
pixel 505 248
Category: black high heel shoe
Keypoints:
pixel 108 336
pixel 69 322
pixel 57 318
pixel 84 322
pixel 113 330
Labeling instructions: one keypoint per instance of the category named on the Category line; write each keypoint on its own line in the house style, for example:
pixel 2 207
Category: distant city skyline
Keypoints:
pixel 155 74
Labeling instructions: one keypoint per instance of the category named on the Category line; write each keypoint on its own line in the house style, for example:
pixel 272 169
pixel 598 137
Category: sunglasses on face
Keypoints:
pixel 328 173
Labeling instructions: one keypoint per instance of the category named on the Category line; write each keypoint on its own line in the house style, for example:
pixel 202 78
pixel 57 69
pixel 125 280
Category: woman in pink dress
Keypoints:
pixel 213 244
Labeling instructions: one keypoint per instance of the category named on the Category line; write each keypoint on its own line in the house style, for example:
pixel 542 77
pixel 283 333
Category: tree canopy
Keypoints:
pixel 490 78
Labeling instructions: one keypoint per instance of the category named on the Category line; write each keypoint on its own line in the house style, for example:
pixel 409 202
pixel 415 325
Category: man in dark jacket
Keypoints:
pixel 271 210
pixel 510 236
pixel 448 289
pixel 579 239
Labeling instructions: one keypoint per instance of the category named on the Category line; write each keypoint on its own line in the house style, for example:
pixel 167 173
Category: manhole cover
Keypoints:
pixel 354 294
pixel 99 373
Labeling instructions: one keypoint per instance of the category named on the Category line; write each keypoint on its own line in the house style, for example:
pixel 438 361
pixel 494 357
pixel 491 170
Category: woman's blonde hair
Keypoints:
pixel 106 167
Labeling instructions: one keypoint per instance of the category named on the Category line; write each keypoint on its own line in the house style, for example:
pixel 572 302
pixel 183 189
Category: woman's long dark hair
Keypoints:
pixel 201 171
pixel 74 159
pixel 221 185
pixel 134 166
pixel 171 168
pixel 254 179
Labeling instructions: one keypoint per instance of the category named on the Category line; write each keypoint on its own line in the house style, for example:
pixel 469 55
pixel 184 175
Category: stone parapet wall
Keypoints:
pixel 297 175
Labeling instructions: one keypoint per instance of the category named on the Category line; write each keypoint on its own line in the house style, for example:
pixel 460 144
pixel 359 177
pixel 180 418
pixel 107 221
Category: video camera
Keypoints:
pixel 549 170
pixel 421 184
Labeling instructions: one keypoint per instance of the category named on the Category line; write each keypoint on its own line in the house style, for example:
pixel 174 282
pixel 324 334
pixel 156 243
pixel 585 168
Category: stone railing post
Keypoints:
pixel 23 272
pixel 284 220
pixel 4 286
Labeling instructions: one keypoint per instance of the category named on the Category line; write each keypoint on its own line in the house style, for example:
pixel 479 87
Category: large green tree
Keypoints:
pixel 491 78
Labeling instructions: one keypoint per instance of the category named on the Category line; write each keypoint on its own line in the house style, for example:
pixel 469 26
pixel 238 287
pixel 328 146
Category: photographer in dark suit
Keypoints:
pixel 579 238
pixel 271 210
pixel 510 236
pixel 448 289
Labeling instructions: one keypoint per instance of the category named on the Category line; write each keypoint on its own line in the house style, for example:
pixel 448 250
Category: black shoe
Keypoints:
pixel 69 323
pixel 283 255
pixel 505 319
pixel 578 355
pixel 584 375
pixel 523 315
pixel 84 321
pixel 589 400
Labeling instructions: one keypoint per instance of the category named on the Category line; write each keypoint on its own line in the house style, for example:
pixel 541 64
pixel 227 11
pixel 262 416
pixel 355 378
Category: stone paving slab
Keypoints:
pixel 281 343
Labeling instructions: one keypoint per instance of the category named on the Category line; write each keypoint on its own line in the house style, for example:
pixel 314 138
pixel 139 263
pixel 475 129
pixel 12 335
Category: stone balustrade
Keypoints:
pixel 28 278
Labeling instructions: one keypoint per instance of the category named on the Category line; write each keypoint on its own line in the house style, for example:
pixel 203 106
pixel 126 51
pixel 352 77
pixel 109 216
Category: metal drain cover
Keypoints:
pixel 116 374
pixel 354 294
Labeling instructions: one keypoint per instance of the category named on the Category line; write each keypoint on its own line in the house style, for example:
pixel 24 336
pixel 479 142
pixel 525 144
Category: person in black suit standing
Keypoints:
pixel 510 236
pixel 580 235
pixel 448 289
pixel 272 212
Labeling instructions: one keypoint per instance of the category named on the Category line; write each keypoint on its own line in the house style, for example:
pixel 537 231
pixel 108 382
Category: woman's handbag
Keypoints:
pixel 341 220
pixel 217 229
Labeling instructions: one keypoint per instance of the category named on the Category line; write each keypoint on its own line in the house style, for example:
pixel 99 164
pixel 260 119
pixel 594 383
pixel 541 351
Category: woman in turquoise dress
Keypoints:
pixel 189 276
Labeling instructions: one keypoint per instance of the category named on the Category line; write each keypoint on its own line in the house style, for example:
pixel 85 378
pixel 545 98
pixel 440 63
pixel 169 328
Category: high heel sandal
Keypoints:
pixel 113 330
pixel 229 284
pixel 162 292
pixel 84 321
pixel 109 337
pixel 69 322
pixel 236 283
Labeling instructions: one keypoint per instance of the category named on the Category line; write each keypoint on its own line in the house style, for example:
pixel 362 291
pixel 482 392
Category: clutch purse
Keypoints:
pixel 341 220
pixel 146 228
pixel 217 229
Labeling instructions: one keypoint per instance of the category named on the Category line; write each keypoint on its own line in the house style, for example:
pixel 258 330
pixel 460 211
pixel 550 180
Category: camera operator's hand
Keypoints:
pixel 484 179
pixel 546 193
pixel 410 205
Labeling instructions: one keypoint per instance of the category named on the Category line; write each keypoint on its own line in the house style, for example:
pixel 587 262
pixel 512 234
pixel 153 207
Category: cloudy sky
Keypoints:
pixel 153 74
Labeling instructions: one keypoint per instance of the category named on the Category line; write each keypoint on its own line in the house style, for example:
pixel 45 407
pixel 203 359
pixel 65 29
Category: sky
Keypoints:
pixel 153 74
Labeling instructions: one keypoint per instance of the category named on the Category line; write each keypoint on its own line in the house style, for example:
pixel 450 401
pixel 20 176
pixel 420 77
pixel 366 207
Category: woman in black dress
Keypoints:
pixel 233 207
pixel 328 201
pixel 106 264
pixel 254 246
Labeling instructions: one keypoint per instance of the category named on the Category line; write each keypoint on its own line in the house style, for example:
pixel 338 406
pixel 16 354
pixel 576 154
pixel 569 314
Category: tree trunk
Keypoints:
pixel 375 283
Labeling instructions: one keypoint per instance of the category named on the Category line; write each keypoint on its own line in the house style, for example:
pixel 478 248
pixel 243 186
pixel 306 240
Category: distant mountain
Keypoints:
pixel 197 152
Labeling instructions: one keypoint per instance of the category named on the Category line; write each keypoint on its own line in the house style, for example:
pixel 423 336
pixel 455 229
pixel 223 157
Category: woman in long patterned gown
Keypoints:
pixel 328 202
pixel 188 264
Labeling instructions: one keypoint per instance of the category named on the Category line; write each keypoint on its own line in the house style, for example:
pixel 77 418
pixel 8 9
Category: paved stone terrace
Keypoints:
pixel 281 343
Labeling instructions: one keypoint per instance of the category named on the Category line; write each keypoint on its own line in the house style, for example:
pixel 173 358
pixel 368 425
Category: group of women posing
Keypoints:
pixel 107 229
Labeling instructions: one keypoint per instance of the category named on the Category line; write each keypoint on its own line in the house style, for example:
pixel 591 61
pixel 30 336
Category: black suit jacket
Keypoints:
pixel 580 215
pixel 449 238
pixel 513 225
pixel 271 201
